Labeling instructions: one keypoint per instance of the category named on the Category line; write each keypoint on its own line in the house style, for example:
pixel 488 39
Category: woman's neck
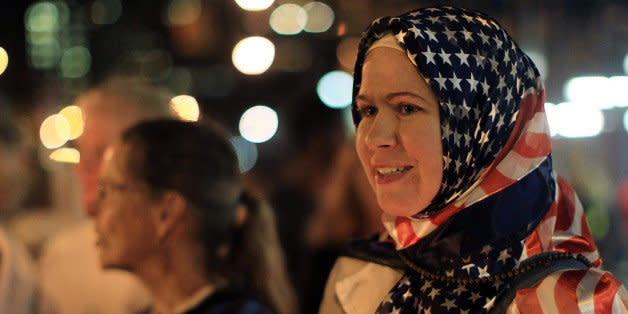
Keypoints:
pixel 172 282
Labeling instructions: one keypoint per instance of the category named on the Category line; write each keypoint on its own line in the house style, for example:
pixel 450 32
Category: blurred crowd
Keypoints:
pixel 319 194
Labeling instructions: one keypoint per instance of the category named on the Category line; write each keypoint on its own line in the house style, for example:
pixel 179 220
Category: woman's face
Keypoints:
pixel 125 229
pixel 398 138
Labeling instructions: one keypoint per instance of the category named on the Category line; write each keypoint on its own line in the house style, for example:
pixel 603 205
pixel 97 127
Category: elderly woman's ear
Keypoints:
pixel 170 209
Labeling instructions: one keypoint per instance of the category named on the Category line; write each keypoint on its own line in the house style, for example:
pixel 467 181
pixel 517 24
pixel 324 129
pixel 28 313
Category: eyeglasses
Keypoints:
pixel 106 189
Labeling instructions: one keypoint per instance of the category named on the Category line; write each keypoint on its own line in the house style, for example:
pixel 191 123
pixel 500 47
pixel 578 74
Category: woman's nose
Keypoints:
pixel 382 132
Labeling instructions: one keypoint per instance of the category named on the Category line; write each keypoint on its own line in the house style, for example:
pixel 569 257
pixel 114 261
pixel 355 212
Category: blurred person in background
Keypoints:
pixel 173 211
pixel 18 292
pixel 318 198
pixel 452 135
pixel 70 276
pixel 345 210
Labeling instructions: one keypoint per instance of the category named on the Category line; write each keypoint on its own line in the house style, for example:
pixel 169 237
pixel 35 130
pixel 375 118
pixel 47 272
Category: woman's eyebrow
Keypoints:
pixel 362 97
pixel 399 94
pixel 391 96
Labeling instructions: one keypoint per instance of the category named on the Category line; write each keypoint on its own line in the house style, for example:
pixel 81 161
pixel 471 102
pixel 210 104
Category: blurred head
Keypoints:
pixel 152 159
pixel 125 221
pixel 398 139
pixel 170 183
pixel 108 109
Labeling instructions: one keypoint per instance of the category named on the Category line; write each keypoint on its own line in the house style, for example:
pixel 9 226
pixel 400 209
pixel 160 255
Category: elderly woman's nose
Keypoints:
pixel 382 132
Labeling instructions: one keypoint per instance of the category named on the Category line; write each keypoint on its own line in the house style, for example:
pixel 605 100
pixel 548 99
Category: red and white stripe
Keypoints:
pixel 573 291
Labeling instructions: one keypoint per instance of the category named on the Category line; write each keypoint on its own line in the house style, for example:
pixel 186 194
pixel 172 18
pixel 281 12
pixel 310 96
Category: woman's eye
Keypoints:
pixel 408 109
pixel 367 111
pixel 101 193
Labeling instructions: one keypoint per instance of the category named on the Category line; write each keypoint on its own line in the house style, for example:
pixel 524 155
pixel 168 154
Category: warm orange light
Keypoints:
pixel 67 155
pixel 186 107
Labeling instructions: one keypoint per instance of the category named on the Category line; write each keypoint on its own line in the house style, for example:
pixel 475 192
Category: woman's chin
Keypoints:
pixel 400 210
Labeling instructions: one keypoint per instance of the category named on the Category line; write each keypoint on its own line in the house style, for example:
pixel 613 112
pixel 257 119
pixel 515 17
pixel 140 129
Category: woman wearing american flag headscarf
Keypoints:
pixel 452 134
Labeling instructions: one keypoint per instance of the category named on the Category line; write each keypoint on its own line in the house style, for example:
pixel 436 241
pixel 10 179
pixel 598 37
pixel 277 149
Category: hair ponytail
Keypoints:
pixel 255 258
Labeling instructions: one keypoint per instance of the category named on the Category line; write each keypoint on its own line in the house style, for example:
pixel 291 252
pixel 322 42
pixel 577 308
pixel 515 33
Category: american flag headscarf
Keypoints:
pixel 500 201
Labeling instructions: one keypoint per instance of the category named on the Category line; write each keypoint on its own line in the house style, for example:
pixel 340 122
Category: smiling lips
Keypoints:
pixel 390 174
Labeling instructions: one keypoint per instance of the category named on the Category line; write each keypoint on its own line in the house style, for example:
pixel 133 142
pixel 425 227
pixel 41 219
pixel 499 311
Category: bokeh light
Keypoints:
pixel 550 112
pixel 347 51
pixel 45 55
pixel 74 116
pixel 253 55
pixel 254 5
pixel 586 90
pixel 67 155
pixel 106 11
pixel 75 62
pixel 626 64
pixel 184 12
pixel 618 91
pixel 599 91
pixel 246 152
pixel 578 120
pixel 4 60
pixel 320 17
pixel 54 131
pixel 334 89
pixel 186 107
pixel 46 16
pixel 288 19
pixel 626 120
pixel 258 124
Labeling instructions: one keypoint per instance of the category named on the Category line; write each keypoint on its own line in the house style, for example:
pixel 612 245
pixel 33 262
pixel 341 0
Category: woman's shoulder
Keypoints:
pixel 590 290
pixel 229 301
pixel 357 286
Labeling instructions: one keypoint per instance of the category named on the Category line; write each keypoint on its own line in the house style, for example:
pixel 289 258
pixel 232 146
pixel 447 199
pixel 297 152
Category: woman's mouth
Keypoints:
pixel 390 174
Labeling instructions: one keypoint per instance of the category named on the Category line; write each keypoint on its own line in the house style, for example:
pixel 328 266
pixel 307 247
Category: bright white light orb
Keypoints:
pixel 74 116
pixel 246 152
pixel 186 107
pixel 320 17
pixel 334 89
pixel 552 118
pixel 67 155
pixel 254 5
pixel 288 19
pixel 578 120
pixel 588 90
pixel 626 120
pixel 618 91
pixel 4 60
pixel 54 131
pixel 259 124
pixel 253 55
